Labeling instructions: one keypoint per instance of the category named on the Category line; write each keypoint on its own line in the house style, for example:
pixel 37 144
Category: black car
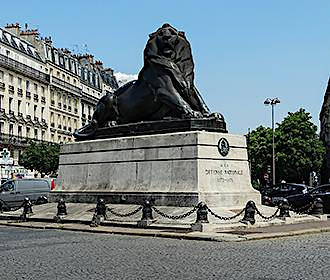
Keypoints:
pixel 322 192
pixel 294 193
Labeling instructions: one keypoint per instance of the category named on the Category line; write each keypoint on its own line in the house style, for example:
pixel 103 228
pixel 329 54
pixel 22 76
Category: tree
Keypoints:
pixel 260 153
pixel 297 146
pixel 299 150
pixel 42 157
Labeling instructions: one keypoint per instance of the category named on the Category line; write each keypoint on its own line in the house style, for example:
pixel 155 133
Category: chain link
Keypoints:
pixel 11 208
pixel 269 217
pixel 225 218
pixel 175 217
pixel 126 214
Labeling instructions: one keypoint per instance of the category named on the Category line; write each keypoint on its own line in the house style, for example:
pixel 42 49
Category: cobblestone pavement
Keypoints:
pixel 50 254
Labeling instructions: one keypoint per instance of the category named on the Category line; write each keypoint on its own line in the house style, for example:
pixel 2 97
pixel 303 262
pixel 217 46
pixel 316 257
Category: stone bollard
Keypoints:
pixel 250 211
pixel 61 211
pixel 27 208
pixel 100 213
pixel 318 207
pixel 284 209
pixel 147 217
pixel 202 213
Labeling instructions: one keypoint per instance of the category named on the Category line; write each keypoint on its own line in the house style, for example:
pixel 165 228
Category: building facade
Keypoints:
pixel 45 92
pixel 325 135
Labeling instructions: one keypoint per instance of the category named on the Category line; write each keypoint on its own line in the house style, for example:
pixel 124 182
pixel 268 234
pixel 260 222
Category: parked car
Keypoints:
pixel 322 192
pixel 13 192
pixel 294 193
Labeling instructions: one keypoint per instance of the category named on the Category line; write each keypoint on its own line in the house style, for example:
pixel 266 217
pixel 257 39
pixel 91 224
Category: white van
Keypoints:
pixel 13 192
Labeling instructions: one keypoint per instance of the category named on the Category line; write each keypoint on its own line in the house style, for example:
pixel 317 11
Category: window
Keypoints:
pixel 36 133
pixel 11 129
pixel 35 88
pixel 42 91
pixel 1 126
pixel 28 132
pixel 11 79
pixel 19 103
pixel 19 131
pixel 43 134
pixel 35 110
pixel 10 104
pixel 1 76
pixel 27 108
pixel 27 85
pixel 19 82
pixel 1 101
pixel 42 112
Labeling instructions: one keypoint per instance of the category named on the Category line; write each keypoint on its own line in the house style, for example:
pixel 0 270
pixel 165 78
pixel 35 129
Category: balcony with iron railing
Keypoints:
pixel 43 99
pixel 52 102
pixel 16 140
pixel 65 85
pixel 2 85
pixel 28 94
pixel 20 92
pixel 36 97
pixel 22 68
pixel 11 89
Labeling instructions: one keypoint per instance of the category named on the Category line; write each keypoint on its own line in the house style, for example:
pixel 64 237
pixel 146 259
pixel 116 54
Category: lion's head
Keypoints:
pixel 169 43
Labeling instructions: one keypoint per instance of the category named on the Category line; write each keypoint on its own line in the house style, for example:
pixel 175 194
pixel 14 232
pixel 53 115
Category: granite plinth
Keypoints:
pixel 159 127
pixel 173 169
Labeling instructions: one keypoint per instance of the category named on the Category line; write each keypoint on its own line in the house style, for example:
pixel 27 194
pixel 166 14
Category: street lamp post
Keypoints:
pixel 273 102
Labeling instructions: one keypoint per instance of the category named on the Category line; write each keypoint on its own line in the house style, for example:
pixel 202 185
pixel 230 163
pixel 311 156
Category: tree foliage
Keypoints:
pixel 260 152
pixel 42 157
pixel 297 147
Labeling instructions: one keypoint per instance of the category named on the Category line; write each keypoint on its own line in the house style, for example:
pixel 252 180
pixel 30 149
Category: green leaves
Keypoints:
pixel 297 147
pixel 42 157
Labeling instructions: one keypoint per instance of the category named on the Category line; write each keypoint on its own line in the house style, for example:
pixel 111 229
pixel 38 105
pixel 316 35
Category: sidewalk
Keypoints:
pixel 80 215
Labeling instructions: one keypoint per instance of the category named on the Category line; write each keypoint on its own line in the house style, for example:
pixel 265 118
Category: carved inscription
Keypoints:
pixel 224 174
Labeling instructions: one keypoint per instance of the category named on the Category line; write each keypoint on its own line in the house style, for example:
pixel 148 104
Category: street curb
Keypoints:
pixel 206 237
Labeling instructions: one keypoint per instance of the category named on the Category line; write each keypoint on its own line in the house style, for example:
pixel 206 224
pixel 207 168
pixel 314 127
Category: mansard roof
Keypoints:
pixel 19 44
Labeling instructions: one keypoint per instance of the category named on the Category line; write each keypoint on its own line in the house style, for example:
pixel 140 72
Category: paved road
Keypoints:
pixel 50 254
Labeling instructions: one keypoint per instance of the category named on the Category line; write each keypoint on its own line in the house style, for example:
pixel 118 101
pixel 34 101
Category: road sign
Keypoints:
pixel 5 154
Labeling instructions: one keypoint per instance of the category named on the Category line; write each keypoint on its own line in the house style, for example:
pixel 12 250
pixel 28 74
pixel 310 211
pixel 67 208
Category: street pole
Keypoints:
pixel 273 102
pixel 273 129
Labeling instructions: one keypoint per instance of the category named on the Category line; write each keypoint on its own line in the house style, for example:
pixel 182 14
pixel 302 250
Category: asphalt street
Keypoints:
pixel 51 254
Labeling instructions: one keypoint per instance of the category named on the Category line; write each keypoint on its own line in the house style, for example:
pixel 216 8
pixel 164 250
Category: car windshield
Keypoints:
pixel 7 187
pixel 321 189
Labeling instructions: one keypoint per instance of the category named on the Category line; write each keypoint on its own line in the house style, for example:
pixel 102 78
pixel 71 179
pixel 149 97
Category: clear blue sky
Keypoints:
pixel 244 51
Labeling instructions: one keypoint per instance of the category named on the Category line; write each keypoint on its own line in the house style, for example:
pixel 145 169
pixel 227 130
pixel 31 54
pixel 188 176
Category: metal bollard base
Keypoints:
pixel 145 223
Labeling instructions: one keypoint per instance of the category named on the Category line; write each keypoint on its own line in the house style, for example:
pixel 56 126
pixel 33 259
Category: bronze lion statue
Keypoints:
pixel 164 89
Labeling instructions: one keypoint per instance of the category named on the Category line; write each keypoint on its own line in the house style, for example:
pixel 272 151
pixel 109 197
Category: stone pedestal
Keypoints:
pixel 174 169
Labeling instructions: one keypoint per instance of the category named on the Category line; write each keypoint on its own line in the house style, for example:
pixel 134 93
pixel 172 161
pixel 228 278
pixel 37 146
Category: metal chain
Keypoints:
pixel 11 208
pixel 126 214
pixel 225 218
pixel 175 217
pixel 307 207
pixel 269 217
